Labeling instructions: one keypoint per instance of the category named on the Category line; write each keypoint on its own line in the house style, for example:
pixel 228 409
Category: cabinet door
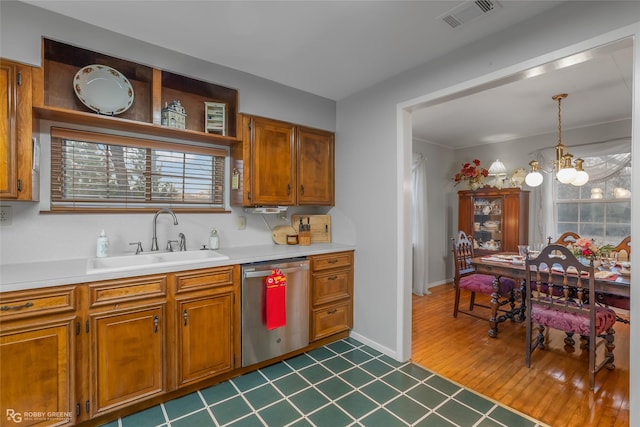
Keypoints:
pixel 36 373
pixel 127 357
pixel 15 127
pixel 205 337
pixel 273 162
pixel 315 167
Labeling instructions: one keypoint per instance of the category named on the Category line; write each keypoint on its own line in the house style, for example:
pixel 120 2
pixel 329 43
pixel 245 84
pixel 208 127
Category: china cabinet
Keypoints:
pixel 498 219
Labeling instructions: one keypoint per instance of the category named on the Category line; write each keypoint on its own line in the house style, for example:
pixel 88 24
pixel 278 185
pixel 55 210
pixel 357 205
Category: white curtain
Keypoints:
pixel 419 223
pixel 543 197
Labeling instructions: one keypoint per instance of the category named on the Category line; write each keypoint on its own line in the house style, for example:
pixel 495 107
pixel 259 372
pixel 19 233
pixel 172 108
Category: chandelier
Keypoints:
pixel 568 171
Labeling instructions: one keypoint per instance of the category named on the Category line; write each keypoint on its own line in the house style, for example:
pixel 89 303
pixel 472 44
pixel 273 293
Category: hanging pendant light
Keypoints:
pixel 566 172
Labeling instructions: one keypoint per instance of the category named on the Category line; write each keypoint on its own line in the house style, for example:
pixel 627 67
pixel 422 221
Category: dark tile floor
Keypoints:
pixel 344 383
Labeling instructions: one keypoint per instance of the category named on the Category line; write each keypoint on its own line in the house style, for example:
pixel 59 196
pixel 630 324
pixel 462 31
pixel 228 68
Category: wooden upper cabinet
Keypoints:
pixel 54 97
pixel 272 162
pixel 315 167
pixel 16 149
pixel 279 163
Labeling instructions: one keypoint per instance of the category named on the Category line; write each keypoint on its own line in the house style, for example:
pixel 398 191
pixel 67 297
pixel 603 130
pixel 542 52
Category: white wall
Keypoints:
pixel 373 154
pixel 37 236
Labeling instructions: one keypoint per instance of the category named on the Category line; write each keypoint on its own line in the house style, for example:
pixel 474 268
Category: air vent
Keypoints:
pixel 469 11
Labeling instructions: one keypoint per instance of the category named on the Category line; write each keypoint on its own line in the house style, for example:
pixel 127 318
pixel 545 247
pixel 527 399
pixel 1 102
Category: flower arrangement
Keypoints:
pixel 588 249
pixel 472 173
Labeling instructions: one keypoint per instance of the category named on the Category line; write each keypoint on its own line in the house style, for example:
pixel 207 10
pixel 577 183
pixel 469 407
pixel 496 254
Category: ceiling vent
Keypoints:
pixel 469 11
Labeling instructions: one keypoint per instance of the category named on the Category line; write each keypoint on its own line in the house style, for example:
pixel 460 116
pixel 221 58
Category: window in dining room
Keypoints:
pixel 600 209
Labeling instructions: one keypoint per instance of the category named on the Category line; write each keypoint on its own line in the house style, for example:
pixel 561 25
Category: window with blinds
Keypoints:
pixel 100 171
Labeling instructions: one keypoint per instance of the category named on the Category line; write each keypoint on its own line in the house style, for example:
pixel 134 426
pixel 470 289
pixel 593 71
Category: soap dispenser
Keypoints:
pixel 102 245
pixel 214 241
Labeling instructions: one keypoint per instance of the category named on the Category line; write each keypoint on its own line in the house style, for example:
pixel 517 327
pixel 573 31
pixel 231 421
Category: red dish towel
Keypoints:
pixel 275 300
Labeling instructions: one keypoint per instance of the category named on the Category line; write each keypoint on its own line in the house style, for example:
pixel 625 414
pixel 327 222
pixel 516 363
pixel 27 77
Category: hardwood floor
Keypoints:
pixel 555 390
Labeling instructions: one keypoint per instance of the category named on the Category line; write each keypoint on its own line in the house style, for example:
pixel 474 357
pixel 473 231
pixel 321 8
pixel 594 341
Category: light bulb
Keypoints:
pixel 581 178
pixel 533 179
pixel 566 175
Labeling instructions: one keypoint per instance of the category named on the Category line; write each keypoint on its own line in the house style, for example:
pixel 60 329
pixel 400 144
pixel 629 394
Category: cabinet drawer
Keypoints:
pixel 201 279
pixel 340 259
pixel 331 320
pixel 21 304
pixel 330 286
pixel 121 290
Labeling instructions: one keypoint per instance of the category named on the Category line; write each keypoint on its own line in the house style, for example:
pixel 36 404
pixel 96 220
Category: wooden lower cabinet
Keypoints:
pixel 127 356
pixel 331 294
pixel 87 353
pixel 204 338
pixel 207 326
pixel 126 328
pixel 37 363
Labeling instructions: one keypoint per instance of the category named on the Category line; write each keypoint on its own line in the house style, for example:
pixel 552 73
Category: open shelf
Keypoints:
pixel 55 99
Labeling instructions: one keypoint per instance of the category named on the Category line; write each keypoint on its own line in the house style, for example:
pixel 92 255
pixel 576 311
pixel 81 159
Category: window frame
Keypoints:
pixel 82 206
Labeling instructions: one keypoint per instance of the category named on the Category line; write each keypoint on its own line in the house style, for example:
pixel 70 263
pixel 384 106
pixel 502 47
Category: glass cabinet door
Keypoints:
pixel 487 223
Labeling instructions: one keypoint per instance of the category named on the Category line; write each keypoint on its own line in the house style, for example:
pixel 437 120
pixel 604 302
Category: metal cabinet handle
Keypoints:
pixel 332 261
pixel 185 316
pixel 288 189
pixel 16 307
pixel 334 311
pixel 302 189
pixel 156 321
pixel 332 278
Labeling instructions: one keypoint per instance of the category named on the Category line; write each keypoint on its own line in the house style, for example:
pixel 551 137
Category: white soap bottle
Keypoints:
pixel 102 245
pixel 214 242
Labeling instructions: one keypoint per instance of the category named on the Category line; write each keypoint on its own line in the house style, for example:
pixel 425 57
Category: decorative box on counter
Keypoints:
pixel 173 115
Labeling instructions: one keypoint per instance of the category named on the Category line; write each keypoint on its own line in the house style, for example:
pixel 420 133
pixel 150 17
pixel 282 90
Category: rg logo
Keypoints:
pixel 14 416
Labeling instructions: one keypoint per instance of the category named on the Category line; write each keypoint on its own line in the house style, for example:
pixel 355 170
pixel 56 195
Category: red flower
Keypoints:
pixel 471 172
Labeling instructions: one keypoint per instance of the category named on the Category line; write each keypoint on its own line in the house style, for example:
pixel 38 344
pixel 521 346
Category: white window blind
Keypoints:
pixel 99 171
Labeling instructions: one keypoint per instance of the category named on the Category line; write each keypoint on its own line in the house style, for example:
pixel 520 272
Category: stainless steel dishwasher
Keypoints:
pixel 259 343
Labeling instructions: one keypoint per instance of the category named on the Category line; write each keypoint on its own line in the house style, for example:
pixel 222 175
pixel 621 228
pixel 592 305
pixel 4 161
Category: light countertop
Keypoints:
pixel 35 274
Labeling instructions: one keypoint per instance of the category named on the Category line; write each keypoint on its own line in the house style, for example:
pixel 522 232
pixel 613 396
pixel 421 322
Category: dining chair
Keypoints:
pixel 565 238
pixel 623 250
pixel 466 278
pixel 569 311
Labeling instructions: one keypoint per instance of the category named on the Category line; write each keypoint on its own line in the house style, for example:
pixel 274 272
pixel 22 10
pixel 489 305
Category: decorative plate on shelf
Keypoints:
pixel 103 89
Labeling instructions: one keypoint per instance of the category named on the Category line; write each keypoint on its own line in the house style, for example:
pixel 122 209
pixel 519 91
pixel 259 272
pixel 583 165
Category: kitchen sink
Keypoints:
pixel 154 259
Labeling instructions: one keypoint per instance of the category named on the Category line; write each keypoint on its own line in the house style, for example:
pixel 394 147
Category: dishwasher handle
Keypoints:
pixel 265 273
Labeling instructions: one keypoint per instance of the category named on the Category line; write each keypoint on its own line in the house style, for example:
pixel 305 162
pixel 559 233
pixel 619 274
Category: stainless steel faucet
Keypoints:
pixel 154 240
pixel 183 242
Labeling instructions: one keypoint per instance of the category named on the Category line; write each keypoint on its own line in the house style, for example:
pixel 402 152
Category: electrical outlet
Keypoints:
pixel 6 216
pixel 242 222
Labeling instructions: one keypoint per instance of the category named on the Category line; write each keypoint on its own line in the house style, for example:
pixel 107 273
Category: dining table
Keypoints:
pixel 507 264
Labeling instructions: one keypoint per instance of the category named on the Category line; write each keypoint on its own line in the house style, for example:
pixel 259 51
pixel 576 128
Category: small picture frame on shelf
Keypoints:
pixel 215 118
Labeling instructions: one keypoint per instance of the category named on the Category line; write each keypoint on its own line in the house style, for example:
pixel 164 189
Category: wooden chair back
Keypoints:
pixel 623 249
pixel 560 281
pixel 561 290
pixel 462 254
pixel 566 238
